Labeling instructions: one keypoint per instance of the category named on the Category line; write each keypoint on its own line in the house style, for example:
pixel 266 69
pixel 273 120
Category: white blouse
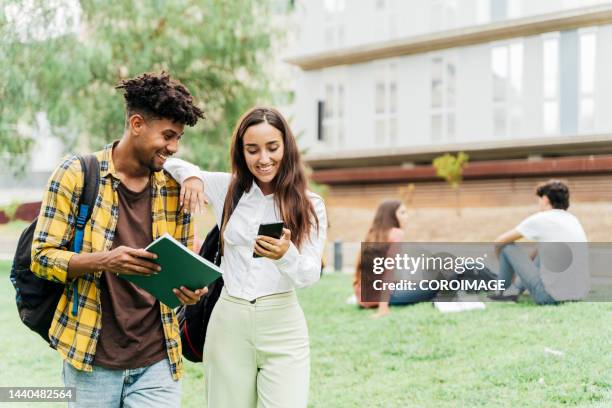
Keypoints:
pixel 246 277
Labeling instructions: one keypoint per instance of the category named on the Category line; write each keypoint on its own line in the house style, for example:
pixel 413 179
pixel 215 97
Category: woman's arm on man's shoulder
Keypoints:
pixel 198 186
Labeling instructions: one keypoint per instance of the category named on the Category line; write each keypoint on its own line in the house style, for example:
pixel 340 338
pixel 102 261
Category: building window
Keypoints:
pixel 334 26
pixel 443 14
pixel 586 66
pixel 483 11
pixel 385 107
pixel 385 18
pixel 498 10
pixel 507 70
pixel 333 114
pixel 443 86
pixel 550 74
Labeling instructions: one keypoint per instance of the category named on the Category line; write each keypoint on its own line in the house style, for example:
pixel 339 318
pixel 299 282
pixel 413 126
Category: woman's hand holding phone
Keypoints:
pixel 271 247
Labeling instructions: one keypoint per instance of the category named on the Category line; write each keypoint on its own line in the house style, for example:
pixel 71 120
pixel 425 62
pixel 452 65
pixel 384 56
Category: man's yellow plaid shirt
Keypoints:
pixel 75 337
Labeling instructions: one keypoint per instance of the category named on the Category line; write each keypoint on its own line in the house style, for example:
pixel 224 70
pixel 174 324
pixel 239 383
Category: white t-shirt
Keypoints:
pixel 563 252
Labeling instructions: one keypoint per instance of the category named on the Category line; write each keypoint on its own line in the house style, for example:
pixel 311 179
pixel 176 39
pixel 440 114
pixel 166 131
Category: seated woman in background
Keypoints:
pixel 388 227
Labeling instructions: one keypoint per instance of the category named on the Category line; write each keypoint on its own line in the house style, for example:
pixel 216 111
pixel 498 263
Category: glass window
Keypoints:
pixel 507 71
pixel 483 12
pixel 587 67
pixel 514 8
pixel 340 133
pixel 392 97
pixel 551 84
pixel 516 120
pixel 443 14
pixel 329 101
pixel 328 132
pixel 380 97
pixel 380 131
pixel 516 70
pixel 386 104
pixel 450 84
pixel 436 126
pixel 551 67
pixel 551 117
pixel 499 65
pixel 392 130
pixel 436 82
pixel 587 114
pixel 450 125
pixel 499 122
pixel 443 96
pixel 340 101
pixel 330 6
pixel 333 126
pixel 587 63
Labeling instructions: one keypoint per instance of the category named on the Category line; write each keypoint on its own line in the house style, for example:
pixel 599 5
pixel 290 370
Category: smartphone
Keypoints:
pixel 274 230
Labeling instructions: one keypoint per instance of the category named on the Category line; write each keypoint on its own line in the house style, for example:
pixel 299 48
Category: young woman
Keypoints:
pixel 390 219
pixel 257 348
pixel 387 228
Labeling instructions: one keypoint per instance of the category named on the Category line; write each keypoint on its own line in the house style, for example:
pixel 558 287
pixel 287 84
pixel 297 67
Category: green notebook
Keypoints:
pixel 179 267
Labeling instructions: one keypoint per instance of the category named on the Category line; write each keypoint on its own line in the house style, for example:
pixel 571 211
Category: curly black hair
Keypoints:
pixel 156 95
pixel 557 192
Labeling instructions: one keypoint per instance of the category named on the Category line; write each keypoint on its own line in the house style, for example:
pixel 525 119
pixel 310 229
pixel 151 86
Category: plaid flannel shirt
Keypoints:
pixel 76 337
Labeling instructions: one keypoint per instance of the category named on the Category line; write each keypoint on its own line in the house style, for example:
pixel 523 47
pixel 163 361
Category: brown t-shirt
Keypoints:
pixel 132 335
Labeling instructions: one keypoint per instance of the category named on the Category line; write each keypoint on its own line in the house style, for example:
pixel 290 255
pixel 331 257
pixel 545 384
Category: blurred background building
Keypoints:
pixel 523 87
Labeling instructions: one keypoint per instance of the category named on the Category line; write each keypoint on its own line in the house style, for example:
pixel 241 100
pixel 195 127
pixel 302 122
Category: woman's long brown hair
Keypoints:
pixel 384 220
pixel 289 185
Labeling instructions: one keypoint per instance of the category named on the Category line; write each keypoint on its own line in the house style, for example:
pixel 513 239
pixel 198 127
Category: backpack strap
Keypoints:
pixel 91 181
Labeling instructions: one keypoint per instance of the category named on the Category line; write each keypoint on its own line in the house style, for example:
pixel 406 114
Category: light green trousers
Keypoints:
pixel 257 354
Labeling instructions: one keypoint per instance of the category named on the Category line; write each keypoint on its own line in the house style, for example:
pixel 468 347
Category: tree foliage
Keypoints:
pixel 221 50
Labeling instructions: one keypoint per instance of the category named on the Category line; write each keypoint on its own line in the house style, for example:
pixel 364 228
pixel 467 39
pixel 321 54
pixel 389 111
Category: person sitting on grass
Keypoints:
pixel 387 228
pixel 554 272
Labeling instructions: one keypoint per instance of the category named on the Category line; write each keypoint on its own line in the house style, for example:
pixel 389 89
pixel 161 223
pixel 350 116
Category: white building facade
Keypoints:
pixel 388 82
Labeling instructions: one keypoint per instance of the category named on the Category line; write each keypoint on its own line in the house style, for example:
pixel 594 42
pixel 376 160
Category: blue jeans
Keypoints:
pixel 409 297
pixel 513 259
pixel 151 386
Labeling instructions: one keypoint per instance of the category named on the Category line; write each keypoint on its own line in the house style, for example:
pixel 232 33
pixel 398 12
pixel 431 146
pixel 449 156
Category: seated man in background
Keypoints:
pixel 557 270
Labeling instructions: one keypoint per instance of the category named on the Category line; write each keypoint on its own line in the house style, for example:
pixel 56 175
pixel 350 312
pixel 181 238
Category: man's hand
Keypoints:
pixel 192 195
pixel 506 238
pixel 187 297
pixel 129 261
pixel 271 247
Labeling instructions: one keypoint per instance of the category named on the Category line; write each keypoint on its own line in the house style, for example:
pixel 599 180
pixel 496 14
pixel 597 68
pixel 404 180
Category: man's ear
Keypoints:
pixel 137 123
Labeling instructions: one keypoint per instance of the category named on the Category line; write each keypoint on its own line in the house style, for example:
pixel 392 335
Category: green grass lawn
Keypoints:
pixel 13 228
pixel 415 357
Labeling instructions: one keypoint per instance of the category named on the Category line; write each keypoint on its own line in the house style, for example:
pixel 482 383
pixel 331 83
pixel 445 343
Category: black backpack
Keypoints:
pixel 37 298
pixel 193 319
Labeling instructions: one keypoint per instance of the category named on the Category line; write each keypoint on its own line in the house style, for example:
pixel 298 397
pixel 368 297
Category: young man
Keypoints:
pixel 558 269
pixel 119 344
